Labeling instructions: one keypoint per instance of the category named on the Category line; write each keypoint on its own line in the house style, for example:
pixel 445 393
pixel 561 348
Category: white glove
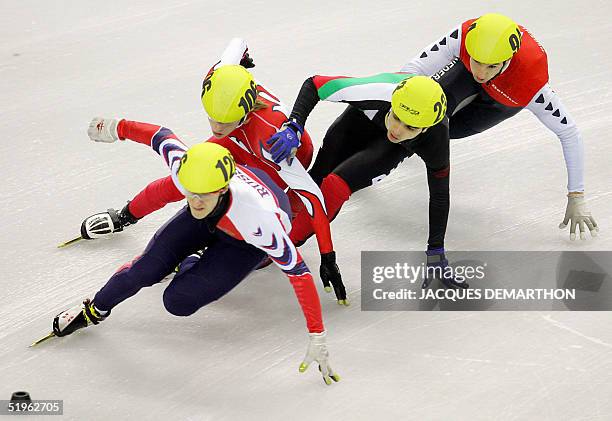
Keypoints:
pixel 103 130
pixel 317 351
pixel 577 212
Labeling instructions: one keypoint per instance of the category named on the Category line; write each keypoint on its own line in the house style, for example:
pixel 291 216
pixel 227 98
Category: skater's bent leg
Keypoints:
pixel 179 237
pixel 480 115
pixel 145 271
pixel 371 165
pixel 349 133
pixel 223 265
pixel 335 192
pixel 362 169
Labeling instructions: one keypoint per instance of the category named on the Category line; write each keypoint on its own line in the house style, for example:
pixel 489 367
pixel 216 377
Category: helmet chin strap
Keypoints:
pixel 218 211
pixel 505 65
pixel 244 119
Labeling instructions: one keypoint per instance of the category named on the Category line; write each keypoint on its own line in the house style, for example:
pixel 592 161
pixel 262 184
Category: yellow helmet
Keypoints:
pixel 492 39
pixel 206 167
pixel 419 101
pixel 229 93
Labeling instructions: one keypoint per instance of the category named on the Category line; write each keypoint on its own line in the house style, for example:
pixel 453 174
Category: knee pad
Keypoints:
pixel 180 301
pixel 179 304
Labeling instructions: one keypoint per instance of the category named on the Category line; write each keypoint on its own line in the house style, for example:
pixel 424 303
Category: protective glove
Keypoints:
pixel 246 61
pixel 317 351
pixel 436 264
pixel 330 274
pixel 105 223
pixel 577 213
pixel 284 144
pixel 188 262
pixel 103 130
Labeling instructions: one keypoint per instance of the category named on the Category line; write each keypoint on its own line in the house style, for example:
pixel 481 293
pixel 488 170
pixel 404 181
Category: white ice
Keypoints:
pixel 63 62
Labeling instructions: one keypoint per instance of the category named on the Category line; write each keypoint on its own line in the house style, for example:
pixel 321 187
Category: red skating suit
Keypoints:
pixel 246 144
pixel 524 84
pixel 254 215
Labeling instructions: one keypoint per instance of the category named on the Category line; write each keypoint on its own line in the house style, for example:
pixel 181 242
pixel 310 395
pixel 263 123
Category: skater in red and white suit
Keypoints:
pixel 490 69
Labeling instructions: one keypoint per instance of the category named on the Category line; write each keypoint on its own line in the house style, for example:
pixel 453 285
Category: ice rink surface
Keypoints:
pixel 63 62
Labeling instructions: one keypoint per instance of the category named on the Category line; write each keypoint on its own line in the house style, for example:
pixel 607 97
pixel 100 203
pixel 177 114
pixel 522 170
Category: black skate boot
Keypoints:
pixel 76 318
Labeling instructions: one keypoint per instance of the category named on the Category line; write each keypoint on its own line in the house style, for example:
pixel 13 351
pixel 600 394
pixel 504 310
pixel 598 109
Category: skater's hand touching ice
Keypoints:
pixel 579 216
pixel 317 351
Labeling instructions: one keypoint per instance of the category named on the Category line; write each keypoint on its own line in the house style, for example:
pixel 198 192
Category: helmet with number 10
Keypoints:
pixel 206 168
pixel 419 101
pixel 229 93
pixel 493 39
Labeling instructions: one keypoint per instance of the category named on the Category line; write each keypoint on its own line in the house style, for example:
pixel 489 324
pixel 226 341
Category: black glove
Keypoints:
pixel 330 274
pixel 105 223
pixel 437 264
pixel 247 61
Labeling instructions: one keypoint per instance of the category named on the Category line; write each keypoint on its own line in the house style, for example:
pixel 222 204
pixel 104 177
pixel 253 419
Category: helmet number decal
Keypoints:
pixel 439 107
pixel 248 99
pixel 206 84
pixel 401 84
pixel 227 167
pixel 515 40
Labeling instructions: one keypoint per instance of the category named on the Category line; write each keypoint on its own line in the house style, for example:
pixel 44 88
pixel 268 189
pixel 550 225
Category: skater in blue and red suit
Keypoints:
pixel 237 215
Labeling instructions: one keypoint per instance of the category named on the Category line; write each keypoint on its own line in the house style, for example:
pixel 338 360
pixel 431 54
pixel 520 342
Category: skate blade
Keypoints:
pixel 67 243
pixel 43 339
